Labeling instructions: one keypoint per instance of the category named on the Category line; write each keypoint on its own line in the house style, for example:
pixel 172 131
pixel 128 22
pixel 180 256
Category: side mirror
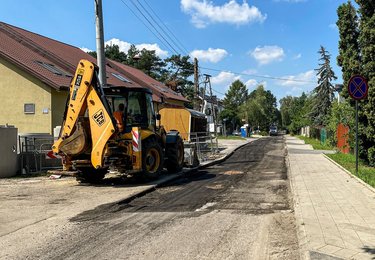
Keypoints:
pixel 158 117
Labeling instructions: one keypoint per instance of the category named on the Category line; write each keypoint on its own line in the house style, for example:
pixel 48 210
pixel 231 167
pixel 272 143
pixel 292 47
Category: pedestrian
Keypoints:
pixel 119 115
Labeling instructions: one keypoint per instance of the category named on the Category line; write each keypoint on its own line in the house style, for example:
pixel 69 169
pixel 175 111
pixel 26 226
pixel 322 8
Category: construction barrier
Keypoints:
pixel 36 153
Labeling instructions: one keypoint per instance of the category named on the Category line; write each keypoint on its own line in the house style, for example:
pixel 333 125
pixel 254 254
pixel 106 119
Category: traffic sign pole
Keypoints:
pixel 356 137
pixel 358 89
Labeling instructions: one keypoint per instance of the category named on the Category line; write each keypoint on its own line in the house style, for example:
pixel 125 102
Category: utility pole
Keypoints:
pixel 208 81
pixel 203 96
pixel 196 85
pixel 100 42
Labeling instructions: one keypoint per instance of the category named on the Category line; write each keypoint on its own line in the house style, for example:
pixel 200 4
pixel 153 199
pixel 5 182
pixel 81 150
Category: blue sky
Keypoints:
pixel 235 39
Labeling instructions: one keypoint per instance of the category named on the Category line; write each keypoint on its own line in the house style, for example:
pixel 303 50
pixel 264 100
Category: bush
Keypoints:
pixel 340 113
pixel 371 156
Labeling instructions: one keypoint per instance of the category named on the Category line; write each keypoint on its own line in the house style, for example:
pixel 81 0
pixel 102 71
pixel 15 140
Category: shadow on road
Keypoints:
pixel 370 250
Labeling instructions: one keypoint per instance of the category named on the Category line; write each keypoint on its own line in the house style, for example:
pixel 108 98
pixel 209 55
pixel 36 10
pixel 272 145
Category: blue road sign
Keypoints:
pixel 357 87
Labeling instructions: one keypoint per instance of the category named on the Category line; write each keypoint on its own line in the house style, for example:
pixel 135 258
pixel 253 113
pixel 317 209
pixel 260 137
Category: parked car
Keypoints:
pixel 273 130
pixel 235 132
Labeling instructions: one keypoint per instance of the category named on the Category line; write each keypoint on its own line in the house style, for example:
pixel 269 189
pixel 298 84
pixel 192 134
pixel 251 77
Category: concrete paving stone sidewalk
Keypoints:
pixel 335 211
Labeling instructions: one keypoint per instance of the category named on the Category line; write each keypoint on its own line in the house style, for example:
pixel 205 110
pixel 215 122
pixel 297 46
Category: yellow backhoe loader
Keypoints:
pixel 93 139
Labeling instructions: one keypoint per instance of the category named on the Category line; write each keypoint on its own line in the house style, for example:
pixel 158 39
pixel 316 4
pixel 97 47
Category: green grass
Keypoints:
pixel 365 173
pixel 315 143
pixel 230 137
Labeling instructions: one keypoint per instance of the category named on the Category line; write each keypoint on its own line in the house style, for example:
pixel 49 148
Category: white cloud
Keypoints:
pixel 204 12
pixel 267 54
pixel 152 47
pixel 297 57
pixel 307 79
pixel 125 46
pixel 264 83
pixel 85 49
pixel 224 78
pixel 251 83
pixel 333 26
pixel 210 55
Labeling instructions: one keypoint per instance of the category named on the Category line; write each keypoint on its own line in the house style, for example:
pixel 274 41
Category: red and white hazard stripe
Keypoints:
pixel 51 155
pixel 136 140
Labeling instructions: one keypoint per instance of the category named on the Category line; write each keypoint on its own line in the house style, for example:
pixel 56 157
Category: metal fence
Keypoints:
pixel 203 145
pixel 36 153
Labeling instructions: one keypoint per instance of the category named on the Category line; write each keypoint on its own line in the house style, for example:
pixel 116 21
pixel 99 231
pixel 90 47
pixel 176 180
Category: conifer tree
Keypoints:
pixel 367 46
pixel 349 52
pixel 324 92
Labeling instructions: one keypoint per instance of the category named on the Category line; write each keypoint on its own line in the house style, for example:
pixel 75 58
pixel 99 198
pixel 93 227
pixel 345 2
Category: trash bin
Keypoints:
pixel 243 131
pixel 323 136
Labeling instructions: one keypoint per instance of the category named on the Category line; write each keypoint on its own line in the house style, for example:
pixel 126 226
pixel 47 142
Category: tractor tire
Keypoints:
pixel 175 156
pixel 152 160
pixel 90 175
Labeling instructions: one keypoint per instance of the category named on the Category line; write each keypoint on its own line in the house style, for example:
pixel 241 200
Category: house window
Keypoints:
pixel 120 77
pixel 52 68
pixel 29 108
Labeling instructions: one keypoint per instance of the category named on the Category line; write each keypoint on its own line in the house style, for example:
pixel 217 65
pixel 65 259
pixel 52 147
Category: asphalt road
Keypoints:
pixel 239 209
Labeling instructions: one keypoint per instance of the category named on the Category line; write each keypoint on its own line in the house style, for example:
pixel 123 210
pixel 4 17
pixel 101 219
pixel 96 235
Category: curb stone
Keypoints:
pixel 351 175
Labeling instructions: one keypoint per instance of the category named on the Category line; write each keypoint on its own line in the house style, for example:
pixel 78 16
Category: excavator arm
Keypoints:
pixel 86 98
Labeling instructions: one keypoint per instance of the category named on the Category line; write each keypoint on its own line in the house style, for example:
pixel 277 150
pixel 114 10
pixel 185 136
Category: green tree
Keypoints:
pixel 113 52
pixel 341 113
pixel 260 109
pixel 255 110
pixel 324 92
pixel 295 111
pixel 349 51
pixel 174 71
pixel 92 53
pixel 286 105
pixel 150 64
pixel 132 56
pixel 367 46
pixel 145 60
pixel 234 98
pixel 177 75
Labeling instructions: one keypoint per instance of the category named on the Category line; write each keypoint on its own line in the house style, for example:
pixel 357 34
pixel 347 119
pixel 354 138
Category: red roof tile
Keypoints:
pixel 145 80
pixel 27 50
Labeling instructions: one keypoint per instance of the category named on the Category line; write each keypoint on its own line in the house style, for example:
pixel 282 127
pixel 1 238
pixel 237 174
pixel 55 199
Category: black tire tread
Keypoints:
pixel 172 163
pixel 147 144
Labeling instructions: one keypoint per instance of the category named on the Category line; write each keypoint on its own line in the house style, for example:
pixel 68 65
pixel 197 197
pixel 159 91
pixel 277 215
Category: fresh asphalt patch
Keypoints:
pixel 251 181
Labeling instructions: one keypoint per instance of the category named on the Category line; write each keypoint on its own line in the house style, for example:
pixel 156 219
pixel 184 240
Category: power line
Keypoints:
pixel 260 76
pixel 218 92
pixel 161 41
pixel 166 27
pixel 155 22
pixel 168 35
pixel 157 31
